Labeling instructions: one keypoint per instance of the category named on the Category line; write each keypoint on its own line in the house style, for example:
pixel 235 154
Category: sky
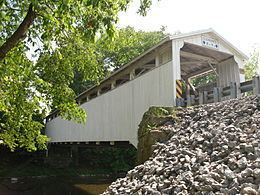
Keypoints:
pixel 236 20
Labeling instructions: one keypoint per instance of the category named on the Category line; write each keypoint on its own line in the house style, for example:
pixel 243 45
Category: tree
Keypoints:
pixel 28 90
pixel 204 80
pixel 20 104
pixel 252 67
pixel 110 55
pixel 127 45
pixel 50 20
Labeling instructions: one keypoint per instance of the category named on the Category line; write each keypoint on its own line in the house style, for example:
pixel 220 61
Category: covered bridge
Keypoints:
pixel 115 106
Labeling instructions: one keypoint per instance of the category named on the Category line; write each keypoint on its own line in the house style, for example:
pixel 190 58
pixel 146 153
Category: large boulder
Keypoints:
pixel 149 131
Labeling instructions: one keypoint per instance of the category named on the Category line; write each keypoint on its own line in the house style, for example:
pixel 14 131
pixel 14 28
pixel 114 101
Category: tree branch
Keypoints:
pixel 19 34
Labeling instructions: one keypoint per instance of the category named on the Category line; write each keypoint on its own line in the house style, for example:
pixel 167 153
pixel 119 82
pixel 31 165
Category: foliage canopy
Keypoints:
pixel 252 67
pixel 108 55
pixel 29 90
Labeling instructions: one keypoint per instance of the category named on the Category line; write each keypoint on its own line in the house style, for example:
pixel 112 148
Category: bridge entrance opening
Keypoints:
pixel 200 68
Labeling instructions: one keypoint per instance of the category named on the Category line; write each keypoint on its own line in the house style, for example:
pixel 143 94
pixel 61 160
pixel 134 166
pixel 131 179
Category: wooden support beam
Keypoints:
pixel 220 93
pixel 98 92
pixel 214 70
pixel 113 85
pixel 132 74
pixel 157 61
pixel 148 66
pixel 233 90
pixel 190 62
pixel 138 64
pixel 216 94
pixel 87 98
pixel 187 86
pixel 256 85
pixel 191 86
pixel 200 98
pixel 199 72
pixel 198 57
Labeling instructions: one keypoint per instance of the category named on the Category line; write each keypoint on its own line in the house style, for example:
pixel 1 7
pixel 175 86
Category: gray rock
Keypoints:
pixel 256 173
pixel 242 163
pixel 214 149
pixel 249 191
pixel 247 172
pixel 229 174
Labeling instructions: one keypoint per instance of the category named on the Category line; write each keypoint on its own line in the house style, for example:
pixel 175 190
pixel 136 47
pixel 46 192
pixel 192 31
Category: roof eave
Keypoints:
pixel 166 39
pixel 238 51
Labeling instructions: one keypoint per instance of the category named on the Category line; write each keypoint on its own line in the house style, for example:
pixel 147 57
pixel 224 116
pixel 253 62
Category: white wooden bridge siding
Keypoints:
pixel 231 70
pixel 115 115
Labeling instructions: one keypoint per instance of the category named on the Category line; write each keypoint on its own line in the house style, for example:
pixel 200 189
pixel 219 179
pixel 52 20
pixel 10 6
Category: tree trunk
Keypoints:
pixel 19 34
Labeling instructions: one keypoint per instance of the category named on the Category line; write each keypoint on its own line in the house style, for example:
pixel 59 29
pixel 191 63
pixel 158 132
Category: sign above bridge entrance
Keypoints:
pixel 209 42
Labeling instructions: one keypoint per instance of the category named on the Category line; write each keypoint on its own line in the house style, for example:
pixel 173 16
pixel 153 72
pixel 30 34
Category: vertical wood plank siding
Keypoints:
pixel 228 71
pixel 115 115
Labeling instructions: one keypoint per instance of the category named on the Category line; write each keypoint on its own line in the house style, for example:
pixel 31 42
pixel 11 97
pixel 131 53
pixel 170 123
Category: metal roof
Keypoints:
pixel 169 38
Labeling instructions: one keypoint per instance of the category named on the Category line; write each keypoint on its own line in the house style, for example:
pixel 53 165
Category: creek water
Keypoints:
pixel 53 186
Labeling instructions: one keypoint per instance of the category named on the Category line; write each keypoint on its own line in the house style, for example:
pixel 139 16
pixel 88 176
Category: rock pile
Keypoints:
pixel 215 149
